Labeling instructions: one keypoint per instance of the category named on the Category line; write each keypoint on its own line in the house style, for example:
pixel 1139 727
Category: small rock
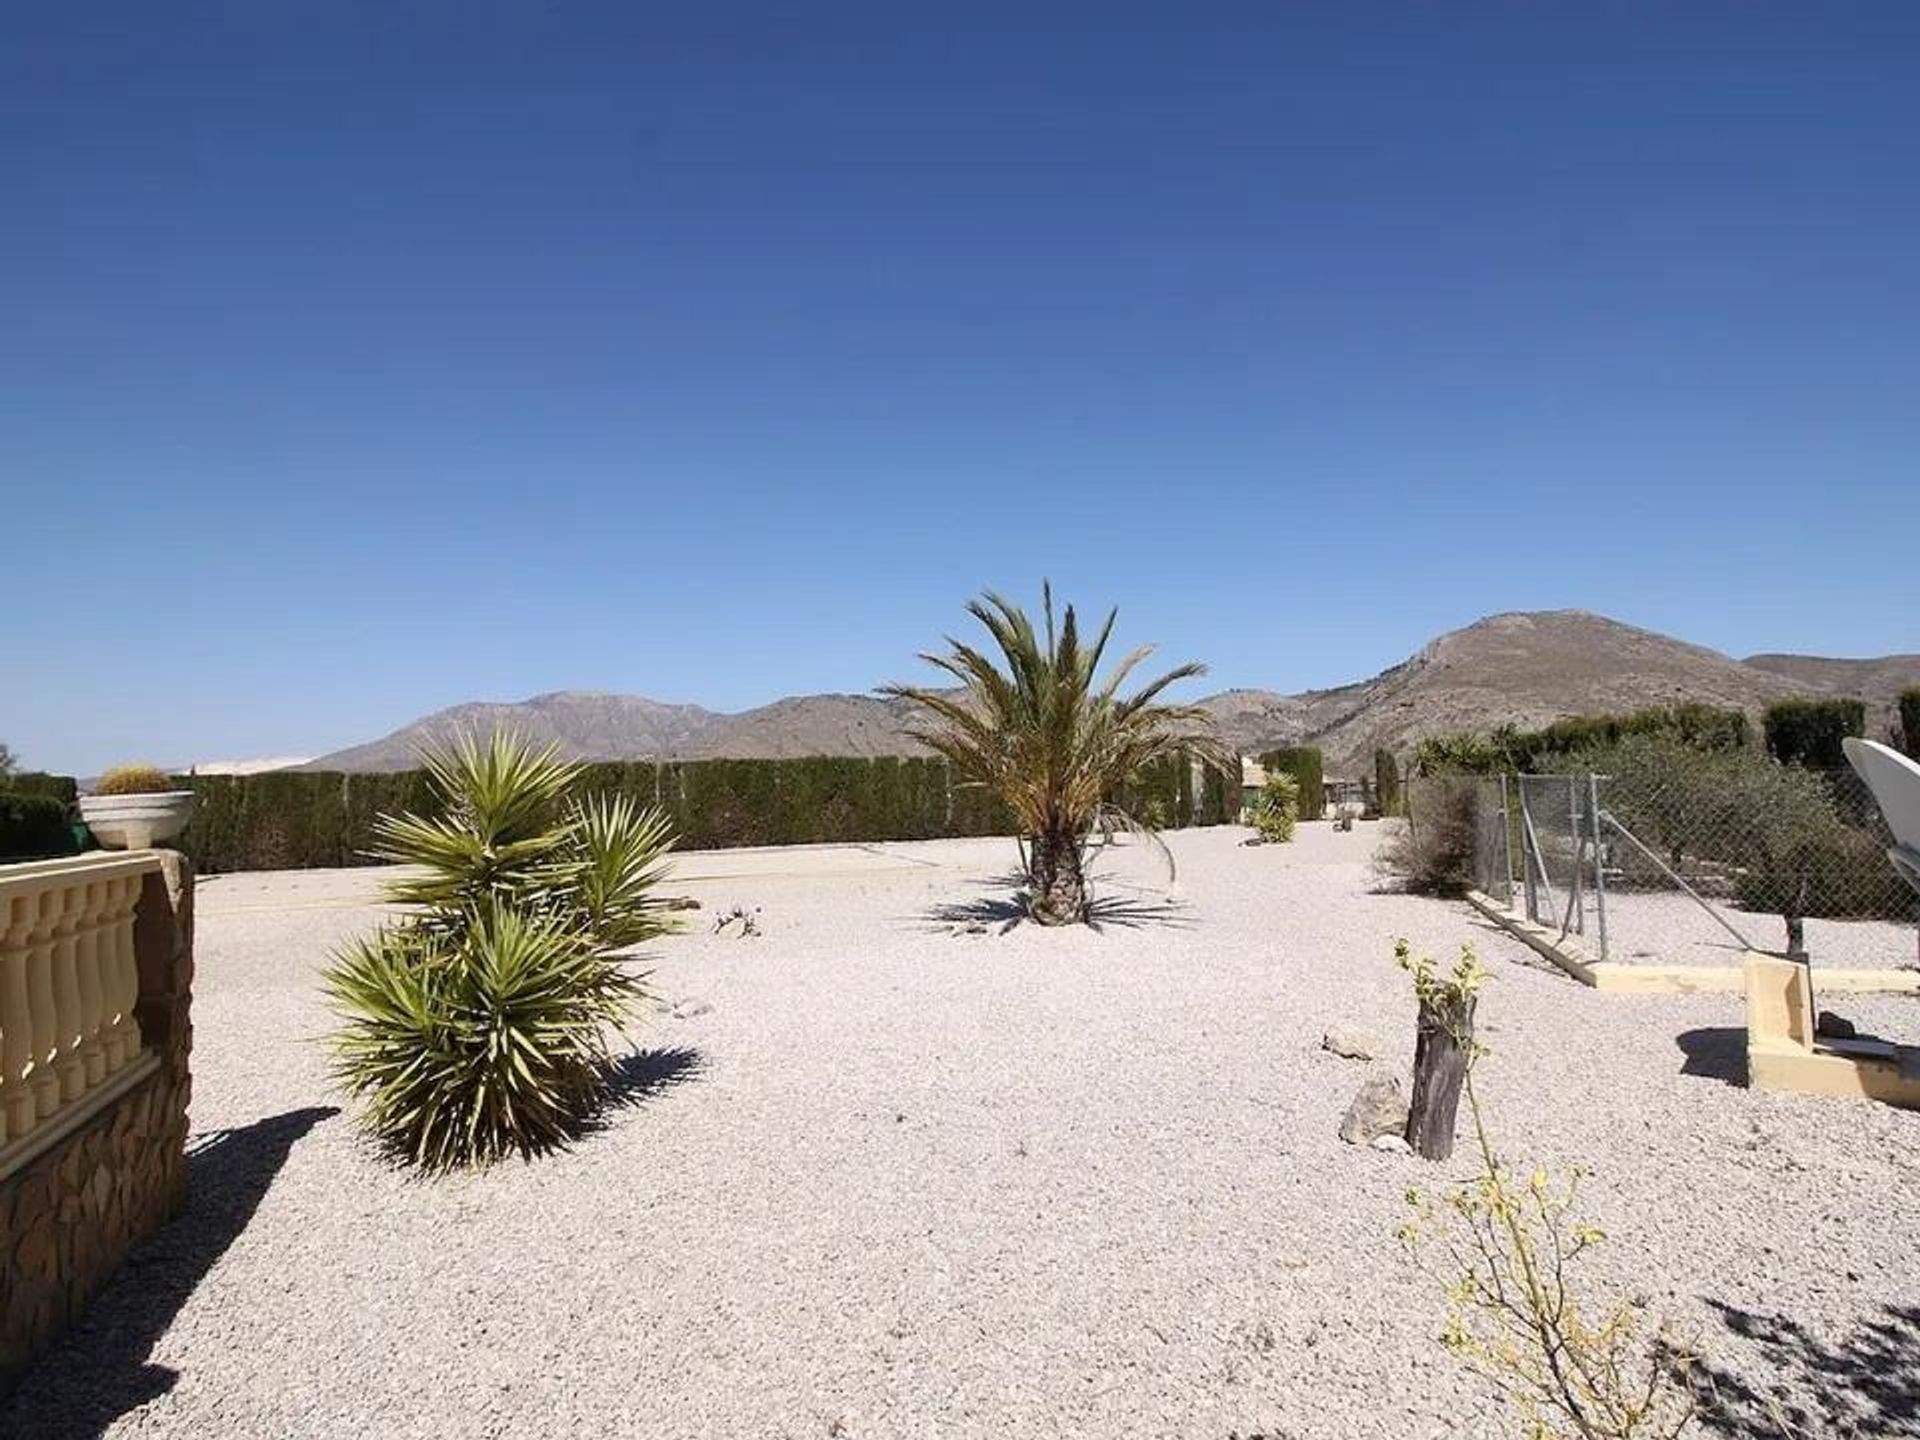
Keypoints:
pixel 1378 1109
pixel 687 1009
pixel 1353 1044
pixel 1392 1144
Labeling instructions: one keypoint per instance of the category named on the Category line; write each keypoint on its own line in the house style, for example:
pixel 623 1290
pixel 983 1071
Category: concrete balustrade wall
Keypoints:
pixel 96 970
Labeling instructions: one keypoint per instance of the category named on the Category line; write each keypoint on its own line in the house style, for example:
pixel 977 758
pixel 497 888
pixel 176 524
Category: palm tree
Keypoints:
pixel 1050 741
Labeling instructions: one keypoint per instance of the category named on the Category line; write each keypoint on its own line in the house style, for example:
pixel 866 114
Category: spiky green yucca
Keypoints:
pixel 478 1027
pixel 1053 740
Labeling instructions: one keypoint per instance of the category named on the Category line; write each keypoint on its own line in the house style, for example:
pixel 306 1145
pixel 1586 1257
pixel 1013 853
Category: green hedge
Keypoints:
pixel 1508 749
pixel 1808 732
pixel 1307 766
pixel 293 820
pixel 34 827
pixel 63 788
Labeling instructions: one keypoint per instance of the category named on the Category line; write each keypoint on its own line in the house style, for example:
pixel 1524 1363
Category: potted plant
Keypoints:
pixel 135 807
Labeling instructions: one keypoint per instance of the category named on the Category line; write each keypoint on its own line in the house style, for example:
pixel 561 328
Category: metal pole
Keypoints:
pixel 1531 840
pixel 1599 860
pixel 1577 906
pixel 1506 834
pixel 1530 896
pixel 1719 919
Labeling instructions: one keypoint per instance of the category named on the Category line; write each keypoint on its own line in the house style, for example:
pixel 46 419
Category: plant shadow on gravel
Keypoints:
pixel 636 1078
pixel 1866 1385
pixel 1004 906
pixel 100 1369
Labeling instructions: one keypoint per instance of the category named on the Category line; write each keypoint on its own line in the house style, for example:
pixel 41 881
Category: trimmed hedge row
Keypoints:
pixel 1470 752
pixel 293 820
pixel 1306 765
pixel 63 788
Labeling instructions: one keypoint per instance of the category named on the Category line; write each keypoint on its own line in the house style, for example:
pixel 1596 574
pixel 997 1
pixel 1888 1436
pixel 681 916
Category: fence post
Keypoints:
pixel 1599 861
pixel 1576 902
pixel 1529 893
pixel 1506 834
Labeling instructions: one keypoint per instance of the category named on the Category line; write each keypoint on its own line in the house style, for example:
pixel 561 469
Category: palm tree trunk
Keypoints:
pixel 1058 883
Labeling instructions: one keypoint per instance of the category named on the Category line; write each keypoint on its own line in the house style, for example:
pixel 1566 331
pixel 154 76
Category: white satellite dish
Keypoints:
pixel 1895 782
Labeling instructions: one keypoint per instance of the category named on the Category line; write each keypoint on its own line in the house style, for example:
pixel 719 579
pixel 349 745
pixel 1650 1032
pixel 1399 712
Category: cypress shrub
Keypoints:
pixel 34 827
pixel 1386 783
pixel 1219 798
pixel 1808 732
pixel 1151 794
pixel 1306 765
pixel 1910 721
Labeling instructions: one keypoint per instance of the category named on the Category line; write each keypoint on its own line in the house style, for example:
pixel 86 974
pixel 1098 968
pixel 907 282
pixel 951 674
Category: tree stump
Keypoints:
pixel 1440 1056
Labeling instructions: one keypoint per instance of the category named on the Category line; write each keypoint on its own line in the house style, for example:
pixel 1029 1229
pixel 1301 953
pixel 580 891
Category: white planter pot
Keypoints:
pixel 136 822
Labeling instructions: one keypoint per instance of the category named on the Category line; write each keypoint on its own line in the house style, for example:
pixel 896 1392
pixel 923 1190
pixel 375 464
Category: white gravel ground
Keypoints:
pixel 1667 927
pixel 906 1180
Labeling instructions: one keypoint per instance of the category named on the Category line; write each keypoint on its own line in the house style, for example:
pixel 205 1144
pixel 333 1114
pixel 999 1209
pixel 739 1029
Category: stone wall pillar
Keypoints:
pixel 73 1207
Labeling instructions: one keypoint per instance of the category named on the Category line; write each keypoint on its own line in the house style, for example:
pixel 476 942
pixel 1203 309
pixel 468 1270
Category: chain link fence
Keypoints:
pixel 1688 861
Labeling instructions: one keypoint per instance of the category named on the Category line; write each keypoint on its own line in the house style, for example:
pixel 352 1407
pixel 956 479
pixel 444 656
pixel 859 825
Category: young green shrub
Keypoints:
pixel 134 780
pixel 478 1027
pixel 1809 732
pixel 1507 1251
pixel 1274 811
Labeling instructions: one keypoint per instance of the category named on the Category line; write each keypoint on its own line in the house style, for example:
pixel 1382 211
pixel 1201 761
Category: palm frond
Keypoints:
pixel 1039 725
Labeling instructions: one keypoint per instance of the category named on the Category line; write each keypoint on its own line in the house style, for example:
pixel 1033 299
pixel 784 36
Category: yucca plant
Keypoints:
pixel 1054 740
pixel 479 1026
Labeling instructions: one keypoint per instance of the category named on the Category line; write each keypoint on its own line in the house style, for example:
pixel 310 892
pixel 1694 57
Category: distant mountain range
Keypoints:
pixel 1524 669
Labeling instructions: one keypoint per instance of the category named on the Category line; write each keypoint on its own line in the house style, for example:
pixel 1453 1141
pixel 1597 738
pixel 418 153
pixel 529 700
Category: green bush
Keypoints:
pixel 1219 799
pixel 1276 808
pixel 63 788
pixel 1386 782
pixel 34 827
pixel 1809 732
pixel 1305 764
pixel 1910 721
pixel 478 1027
pixel 1709 728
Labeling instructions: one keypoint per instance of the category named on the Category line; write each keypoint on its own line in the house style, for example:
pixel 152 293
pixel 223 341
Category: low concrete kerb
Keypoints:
pixel 1672 979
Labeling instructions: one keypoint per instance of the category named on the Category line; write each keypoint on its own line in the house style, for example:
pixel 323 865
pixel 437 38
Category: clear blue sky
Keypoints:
pixel 360 359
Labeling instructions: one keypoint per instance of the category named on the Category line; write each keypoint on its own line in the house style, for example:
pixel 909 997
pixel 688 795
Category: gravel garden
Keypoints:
pixel 888 1161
